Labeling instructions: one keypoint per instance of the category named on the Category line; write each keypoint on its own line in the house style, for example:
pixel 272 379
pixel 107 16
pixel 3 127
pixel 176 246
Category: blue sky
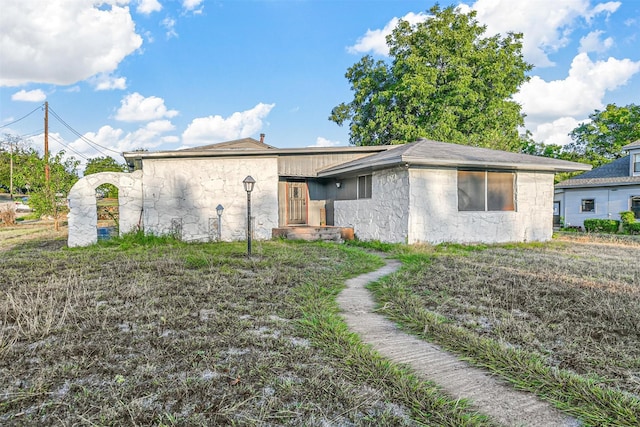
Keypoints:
pixel 170 74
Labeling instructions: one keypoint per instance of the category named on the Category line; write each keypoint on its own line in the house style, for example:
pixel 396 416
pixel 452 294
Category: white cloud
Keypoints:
pixel 136 108
pixel 592 43
pixel 546 29
pixel 556 131
pixel 193 6
pixel 323 142
pixel 160 126
pixel 169 24
pixel 208 130
pixel 580 93
pixel 36 95
pixel 146 7
pixel 375 40
pixel 108 82
pixel 554 108
pixel 97 37
pixel 112 141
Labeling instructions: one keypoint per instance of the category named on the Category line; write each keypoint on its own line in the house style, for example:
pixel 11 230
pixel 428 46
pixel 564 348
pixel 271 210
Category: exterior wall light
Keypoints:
pixel 338 184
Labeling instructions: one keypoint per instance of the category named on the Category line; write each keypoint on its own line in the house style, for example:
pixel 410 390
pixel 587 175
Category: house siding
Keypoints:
pixel 609 202
pixel 385 215
pixel 185 192
pixel 434 217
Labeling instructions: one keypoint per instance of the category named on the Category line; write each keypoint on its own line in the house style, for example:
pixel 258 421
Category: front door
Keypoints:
pixel 297 203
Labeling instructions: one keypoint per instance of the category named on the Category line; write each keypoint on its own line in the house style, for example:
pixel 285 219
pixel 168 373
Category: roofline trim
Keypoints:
pixel 252 152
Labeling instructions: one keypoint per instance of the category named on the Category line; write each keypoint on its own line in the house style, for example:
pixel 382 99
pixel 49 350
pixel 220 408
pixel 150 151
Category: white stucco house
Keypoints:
pixel 426 191
pixel 603 192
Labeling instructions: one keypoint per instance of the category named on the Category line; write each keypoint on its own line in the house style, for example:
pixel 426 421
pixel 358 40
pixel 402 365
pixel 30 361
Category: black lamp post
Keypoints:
pixel 219 210
pixel 248 182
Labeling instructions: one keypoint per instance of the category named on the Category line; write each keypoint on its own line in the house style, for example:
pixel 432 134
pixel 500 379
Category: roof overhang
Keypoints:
pixel 409 162
pixel 273 152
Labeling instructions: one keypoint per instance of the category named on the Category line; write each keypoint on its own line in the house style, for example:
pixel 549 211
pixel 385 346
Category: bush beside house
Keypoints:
pixel 626 225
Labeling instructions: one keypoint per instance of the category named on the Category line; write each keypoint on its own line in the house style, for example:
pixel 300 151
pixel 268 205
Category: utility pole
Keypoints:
pixel 10 169
pixel 46 141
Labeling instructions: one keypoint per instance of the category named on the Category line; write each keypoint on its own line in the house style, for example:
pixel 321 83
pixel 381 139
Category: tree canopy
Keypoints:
pixel 600 140
pixel 103 164
pixel 445 80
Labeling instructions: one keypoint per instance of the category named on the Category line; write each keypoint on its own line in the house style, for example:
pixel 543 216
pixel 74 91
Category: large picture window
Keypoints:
pixel 364 187
pixel 486 191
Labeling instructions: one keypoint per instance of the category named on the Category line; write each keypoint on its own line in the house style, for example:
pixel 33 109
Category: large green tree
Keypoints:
pixel 600 140
pixel 445 80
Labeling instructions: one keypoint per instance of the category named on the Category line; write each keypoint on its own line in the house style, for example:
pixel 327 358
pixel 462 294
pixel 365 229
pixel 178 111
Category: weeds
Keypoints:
pixel 144 330
pixel 556 319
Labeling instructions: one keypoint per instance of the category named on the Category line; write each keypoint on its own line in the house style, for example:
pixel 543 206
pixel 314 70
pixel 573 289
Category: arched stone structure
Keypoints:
pixel 82 204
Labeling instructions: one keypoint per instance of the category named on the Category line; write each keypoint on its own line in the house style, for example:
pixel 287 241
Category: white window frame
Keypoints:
pixel 582 203
pixel 366 192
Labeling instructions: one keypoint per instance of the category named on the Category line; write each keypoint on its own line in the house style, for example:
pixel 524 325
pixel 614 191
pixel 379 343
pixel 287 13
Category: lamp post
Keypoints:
pixel 219 210
pixel 248 183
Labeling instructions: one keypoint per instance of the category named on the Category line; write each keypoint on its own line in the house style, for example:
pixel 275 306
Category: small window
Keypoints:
pixel 635 206
pixel 364 187
pixel 588 205
pixel 636 163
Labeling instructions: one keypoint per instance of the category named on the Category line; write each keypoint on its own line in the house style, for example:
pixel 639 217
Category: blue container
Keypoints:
pixel 105 233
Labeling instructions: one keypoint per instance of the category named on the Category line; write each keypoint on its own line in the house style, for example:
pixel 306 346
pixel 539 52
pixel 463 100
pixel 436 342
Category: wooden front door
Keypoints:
pixel 297 203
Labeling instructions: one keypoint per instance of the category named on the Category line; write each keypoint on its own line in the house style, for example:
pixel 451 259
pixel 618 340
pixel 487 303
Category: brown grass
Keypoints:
pixel 577 304
pixel 174 334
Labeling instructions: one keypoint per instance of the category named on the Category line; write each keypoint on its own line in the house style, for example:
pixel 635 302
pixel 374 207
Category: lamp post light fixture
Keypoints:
pixel 219 210
pixel 248 183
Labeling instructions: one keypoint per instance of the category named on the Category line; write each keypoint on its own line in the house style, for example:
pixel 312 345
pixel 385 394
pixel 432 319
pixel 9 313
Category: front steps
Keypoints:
pixel 306 232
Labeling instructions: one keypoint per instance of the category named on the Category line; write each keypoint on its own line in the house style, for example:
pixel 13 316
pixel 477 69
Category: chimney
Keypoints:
pixel 262 138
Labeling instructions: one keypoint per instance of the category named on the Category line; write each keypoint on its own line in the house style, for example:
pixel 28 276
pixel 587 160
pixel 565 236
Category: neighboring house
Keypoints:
pixel 603 192
pixel 426 191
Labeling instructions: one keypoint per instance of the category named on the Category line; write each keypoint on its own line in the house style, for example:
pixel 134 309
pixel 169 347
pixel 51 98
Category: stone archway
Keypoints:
pixel 82 205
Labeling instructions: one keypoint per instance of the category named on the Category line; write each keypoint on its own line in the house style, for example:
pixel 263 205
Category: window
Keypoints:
pixel 635 206
pixel 588 205
pixel 364 187
pixel 636 164
pixel 486 191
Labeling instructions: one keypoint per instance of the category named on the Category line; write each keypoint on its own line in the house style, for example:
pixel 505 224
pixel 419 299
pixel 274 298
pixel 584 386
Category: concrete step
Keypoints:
pixel 330 234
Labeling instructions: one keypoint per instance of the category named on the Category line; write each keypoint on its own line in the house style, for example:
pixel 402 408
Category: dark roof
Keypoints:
pixel 433 153
pixel 611 174
pixel 237 144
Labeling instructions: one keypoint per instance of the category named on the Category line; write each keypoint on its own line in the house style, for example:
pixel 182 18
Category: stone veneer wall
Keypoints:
pixel 181 195
pixel 82 204
pixel 435 217
pixel 385 215
pixel 421 205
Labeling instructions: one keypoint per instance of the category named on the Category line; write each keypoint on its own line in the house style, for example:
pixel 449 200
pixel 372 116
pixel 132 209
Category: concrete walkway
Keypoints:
pixel 460 380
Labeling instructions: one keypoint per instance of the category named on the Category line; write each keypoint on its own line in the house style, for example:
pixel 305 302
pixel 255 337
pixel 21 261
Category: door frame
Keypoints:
pixel 305 201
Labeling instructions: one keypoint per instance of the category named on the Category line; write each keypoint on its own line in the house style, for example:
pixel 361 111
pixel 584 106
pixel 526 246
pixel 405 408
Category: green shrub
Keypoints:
pixel 601 225
pixel 633 228
pixel 627 217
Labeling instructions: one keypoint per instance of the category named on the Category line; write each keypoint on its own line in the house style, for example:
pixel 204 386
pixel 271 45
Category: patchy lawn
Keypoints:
pixel 149 331
pixel 561 319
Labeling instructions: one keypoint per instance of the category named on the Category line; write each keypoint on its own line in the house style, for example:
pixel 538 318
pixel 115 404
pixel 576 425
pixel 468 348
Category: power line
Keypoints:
pixel 23 117
pixel 68 146
pixel 79 135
